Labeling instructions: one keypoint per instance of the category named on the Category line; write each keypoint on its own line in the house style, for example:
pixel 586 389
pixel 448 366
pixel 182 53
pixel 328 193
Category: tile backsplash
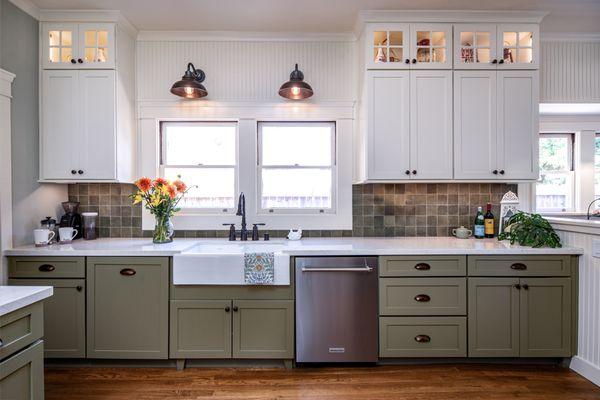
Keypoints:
pixel 412 209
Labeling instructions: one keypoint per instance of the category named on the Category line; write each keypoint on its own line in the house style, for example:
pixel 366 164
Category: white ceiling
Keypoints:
pixel 315 15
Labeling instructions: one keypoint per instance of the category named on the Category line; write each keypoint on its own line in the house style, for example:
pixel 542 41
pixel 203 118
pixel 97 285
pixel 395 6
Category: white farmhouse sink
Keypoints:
pixel 210 263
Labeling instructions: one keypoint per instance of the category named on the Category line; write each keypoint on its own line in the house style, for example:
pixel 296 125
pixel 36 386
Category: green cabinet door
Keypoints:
pixel 64 316
pixel 545 315
pixel 200 329
pixel 263 329
pixel 22 375
pixel 493 317
pixel 127 307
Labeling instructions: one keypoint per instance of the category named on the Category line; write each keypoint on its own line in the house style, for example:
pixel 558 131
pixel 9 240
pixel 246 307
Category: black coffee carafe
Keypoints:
pixel 71 218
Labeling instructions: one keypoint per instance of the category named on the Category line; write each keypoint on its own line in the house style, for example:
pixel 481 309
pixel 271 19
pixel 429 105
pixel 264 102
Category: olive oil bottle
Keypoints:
pixel 488 220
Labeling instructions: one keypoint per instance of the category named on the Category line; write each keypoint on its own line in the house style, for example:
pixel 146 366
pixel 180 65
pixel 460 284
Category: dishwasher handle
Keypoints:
pixel 366 268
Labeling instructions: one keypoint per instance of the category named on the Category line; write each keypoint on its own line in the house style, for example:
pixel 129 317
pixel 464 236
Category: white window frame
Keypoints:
pixel 572 171
pixel 332 167
pixel 596 195
pixel 162 166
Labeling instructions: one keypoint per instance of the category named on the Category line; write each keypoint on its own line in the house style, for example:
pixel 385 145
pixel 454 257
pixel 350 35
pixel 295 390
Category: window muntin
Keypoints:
pixel 203 155
pixel 555 189
pixel 296 167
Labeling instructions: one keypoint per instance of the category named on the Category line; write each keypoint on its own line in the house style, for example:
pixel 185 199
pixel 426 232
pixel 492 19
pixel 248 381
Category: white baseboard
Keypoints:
pixel 585 369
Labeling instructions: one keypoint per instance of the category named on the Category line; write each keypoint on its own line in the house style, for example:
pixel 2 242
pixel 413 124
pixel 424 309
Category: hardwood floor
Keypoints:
pixel 411 382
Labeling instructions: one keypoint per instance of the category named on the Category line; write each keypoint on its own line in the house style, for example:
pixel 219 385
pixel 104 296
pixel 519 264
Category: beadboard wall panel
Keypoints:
pixel 587 360
pixel 247 70
pixel 570 72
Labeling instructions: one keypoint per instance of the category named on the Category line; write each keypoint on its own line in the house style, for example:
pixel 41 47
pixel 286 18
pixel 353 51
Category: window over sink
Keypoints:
pixel 556 187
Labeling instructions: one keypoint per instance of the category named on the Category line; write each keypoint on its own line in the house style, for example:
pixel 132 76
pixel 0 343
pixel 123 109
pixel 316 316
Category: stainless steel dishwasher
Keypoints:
pixel 336 309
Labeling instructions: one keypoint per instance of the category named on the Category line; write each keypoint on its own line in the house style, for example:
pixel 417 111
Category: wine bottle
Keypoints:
pixel 479 230
pixel 488 220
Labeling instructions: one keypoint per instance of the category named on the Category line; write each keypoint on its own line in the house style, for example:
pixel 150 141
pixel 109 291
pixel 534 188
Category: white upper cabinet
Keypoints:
pixel 409 46
pixel 491 46
pixel 78 46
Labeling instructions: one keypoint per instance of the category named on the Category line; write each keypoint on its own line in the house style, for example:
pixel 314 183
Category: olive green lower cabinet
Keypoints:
pixel 127 307
pixel 22 375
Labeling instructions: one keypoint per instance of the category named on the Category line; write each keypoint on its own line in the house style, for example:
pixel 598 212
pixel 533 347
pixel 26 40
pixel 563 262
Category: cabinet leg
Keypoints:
pixel 180 364
pixel 288 364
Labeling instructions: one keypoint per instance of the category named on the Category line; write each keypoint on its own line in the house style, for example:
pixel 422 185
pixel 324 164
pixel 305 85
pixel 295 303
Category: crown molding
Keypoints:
pixel 448 16
pixel 28 7
pixel 241 36
pixel 114 16
pixel 570 37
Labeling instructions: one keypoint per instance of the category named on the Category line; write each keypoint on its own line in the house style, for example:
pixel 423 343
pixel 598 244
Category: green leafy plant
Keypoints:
pixel 530 230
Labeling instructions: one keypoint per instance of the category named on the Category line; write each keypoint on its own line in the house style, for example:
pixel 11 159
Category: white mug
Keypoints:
pixel 42 237
pixel 67 234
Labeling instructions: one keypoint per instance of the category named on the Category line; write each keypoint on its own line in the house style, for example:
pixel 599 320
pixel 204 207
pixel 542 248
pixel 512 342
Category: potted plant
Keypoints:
pixel 530 230
pixel 161 198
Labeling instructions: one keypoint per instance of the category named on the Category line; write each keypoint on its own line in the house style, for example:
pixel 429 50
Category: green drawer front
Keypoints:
pixel 519 266
pixel 20 328
pixel 46 267
pixel 423 296
pixel 422 337
pixel 391 266
pixel 22 375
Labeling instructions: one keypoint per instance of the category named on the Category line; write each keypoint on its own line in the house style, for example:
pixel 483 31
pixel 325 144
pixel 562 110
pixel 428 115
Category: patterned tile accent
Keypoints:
pixel 378 209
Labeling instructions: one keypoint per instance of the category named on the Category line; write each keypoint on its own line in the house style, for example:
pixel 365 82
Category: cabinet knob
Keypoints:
pixel 227 309
pixel 127 272
pixel 501 172
pixel 407 172
pixel 407 61
pixel 80 172
pixel 1 343
pixel 414 60
pixel 517 286
pixel 414 171
pixel 495 172
pixel 422 298
pixel 525 286
pixel 79 288
pixel 73 171
pixel 422 339
pixel 73 61
pixel 235 309
pixel 494 61
pixel 422 267
pixel 501 61
pixel 46 268
pixel 80 61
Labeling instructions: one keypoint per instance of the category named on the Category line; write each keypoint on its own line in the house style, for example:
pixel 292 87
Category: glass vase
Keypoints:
pixel 163 230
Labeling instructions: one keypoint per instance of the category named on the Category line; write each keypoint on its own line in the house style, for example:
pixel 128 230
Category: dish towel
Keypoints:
pixel 259 268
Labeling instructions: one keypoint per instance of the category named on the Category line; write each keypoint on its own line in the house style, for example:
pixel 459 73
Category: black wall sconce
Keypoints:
pixel 190 86
pixel 296 88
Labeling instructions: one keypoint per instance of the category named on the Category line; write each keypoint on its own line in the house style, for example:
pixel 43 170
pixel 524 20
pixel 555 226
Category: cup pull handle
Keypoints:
pixel 127 272
pixel 46 268
pixel 518 266
pixel 423 267
pixel 422 339
pixel 422 298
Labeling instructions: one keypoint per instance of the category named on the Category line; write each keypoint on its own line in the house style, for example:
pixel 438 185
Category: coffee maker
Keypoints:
pixel 72 218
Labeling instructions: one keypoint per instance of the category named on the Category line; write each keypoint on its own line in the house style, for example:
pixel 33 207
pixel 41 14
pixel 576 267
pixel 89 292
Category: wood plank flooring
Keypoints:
pixel 410 382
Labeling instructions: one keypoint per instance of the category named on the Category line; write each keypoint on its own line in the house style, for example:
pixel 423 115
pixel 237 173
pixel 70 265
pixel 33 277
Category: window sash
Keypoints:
pixel 570 139
pixel 570 193
pixel 332 168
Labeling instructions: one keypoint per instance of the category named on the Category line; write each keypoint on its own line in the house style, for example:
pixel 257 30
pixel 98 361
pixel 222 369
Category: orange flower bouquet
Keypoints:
pixel 161 198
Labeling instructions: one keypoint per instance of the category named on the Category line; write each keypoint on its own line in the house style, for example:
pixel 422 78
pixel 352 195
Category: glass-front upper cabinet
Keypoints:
pixel 430 46
pixel 409 46
pixel 76 46
pixel 491 46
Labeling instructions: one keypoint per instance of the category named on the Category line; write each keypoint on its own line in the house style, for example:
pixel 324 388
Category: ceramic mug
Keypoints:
pixel 462 232
pixel 41 237
pixel 67 234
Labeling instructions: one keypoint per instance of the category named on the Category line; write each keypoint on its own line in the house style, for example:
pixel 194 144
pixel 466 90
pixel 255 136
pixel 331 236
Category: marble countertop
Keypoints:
pixel 15 297
pixel 307 246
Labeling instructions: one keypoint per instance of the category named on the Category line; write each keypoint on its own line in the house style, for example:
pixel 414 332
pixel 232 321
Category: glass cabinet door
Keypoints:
pixel 475 46
pixel 431 46
pixel 96 44
pixel 59 45
pixel 518 46
pixel 387 46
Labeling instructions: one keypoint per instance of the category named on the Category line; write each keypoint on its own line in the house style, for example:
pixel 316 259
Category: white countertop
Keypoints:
pixel 15 297
pixel 307 246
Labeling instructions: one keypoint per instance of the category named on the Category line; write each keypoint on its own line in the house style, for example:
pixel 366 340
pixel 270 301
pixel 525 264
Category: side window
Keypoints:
pixel 555 189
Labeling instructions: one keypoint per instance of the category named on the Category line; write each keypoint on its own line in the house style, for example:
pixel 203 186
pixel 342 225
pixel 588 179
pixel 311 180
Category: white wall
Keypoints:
pixel 587 361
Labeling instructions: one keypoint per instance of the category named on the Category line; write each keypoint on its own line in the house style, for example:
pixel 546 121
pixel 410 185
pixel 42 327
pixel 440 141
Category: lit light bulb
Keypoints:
pixel 188 90
pixel 295 90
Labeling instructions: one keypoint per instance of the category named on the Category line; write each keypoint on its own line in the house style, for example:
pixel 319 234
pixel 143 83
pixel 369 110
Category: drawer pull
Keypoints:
pixel 422 298
pixel 127 272
pixel 422 339
pixel 423 267
pixel 518 266
pixel 46 268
